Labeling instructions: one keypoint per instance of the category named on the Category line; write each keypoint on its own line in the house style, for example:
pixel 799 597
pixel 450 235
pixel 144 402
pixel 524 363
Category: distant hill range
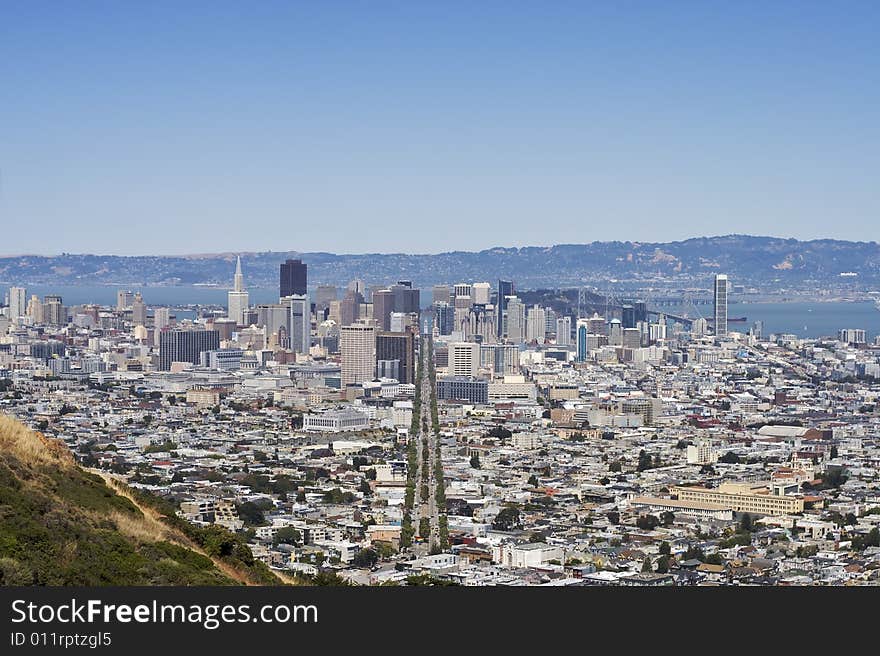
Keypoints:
pixel 62 525
pixel 758 261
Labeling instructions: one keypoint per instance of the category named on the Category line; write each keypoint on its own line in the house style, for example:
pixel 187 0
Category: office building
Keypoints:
pixel 444 318
pixel 400 347
pixel 501 359
pixel 138 310
pixel 185 346
pixel 481 292
pixel 406 299
pixel 615 333
pixel 852 336
pixel 536 324
pixel 758 329
pixel 632 338
pixel 583 329
pixel 275 319
pixel 516 320
pixel 124 299
pixel 388 369
pixel 293 278
pixel 161 320
pixel 462 294
pixel 440 294
pixel 597 324
pixel 563 331
pixel 462 388
pixel 17 303
pixel 464 358
pixel 505 290
pixel 383 306
pixel 357 347
pixel 350 307
pixel 720 304
pixel 54 312
pixel 300 324
pixel 237 299
pixel 222 359
pixel 324 295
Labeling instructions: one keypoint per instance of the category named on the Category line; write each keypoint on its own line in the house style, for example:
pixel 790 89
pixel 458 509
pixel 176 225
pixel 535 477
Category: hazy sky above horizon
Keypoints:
pixel 184 127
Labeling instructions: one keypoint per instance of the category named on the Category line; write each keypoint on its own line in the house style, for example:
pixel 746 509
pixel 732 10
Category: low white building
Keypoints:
pixel 335 421
pixel 525 555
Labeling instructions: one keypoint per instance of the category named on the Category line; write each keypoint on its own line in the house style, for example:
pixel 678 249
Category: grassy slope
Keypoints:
pixel 60 525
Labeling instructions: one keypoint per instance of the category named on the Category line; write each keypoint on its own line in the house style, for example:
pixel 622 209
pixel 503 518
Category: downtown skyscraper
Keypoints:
pixel 293 278
pixel 237 299
pixel 721 304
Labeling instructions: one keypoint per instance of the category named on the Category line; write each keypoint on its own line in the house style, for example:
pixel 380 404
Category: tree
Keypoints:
pixel 646 565
pixel 251 514
pixel 533 480
pixel 730 458
pixel 663 564
pixel 644 461
pixel 850 519
pixel 647 522
pixel 286 535
pixel 365 488
pixel 746 524
pixel 667 518
pixel 384 549
pixel 475 461
pixel 613 517
pixel 714 559
pixel 665 549
pixel 507 519
pixel 366 558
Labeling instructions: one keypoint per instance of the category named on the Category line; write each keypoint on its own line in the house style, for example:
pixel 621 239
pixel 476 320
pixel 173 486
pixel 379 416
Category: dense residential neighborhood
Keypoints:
pixel 593 454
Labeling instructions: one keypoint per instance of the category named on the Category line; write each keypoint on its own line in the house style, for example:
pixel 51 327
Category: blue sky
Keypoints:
pixel 188 127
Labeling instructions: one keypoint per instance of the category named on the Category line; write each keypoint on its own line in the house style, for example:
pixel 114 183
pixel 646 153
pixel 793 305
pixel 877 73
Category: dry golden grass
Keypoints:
pixel 30 446
pixel 140 528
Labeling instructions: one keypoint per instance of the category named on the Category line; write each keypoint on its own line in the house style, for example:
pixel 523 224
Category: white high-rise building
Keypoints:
pixel 464 358
pixel 563 331
pixel 17 303
pixel 721 304
pixel 536 324
pixel 516 319
pixel 357 346
pixel 237 299
pixel 462 290
pixel 161 319
pixel 481 292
